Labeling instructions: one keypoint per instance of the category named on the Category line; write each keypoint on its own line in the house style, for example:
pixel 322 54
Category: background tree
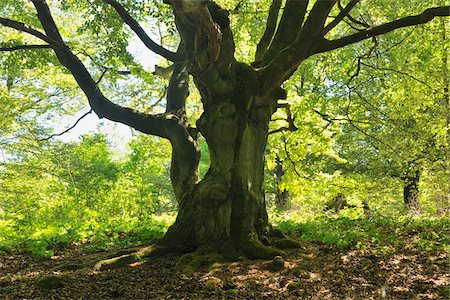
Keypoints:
pixel 374 118
pixel 225 211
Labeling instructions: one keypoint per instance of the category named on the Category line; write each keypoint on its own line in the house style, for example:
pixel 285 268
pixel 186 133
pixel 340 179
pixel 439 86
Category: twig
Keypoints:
pixel 66 130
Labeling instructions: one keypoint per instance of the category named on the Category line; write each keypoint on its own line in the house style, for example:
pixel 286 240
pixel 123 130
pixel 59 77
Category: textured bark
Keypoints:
pixel 226 211
pixel 411 193
pixel 282 197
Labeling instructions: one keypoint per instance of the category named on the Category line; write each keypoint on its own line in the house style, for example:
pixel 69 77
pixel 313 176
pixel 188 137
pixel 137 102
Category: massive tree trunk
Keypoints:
pixel 226 211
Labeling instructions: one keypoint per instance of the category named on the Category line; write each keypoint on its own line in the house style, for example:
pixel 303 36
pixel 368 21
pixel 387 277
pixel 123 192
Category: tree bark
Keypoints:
pixel 411 193
pixel 226 211
pixel 282 197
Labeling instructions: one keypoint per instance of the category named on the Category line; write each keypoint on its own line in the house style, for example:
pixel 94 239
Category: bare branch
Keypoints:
pixel 271 26
pixel 24 47
pixel 148 42
pixel 422 18
pixel 288 156
pixel 289 119
pixel 352 19
pixel 66 130
pixel 344 12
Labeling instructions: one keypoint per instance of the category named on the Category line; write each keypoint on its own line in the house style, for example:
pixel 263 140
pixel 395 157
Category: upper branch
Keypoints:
pixel 271 26
pixel 24 47
pixel 68 129
pixel 287 58
pixel 344 12
pixel 316 19
pixel 151 124
pixel 291 21
pixel 23 28
pixel 310 41
pixel 140 32
pixel 424 17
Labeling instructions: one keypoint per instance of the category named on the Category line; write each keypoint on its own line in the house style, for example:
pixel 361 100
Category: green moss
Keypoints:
pixel 286 243
pixel 214 266
pixel 233 292
pixel 192 262
pixel 50 282
pixel 292 286
pixel 254 249
pixel 277 263
pixel 212 284
pixel 70 266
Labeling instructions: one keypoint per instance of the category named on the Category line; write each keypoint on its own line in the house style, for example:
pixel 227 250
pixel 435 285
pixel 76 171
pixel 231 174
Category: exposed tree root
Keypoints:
pixel 255 249
pixel 192 262
pixel 250 247
pixel 126 259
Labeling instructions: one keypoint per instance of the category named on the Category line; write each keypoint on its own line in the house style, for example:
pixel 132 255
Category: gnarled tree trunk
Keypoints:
pixel 226 211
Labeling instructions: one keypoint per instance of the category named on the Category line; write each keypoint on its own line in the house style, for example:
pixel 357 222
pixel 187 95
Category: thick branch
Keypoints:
pixel 344 12
pixel 23 28
pixel 289 57
pixel 171 125
pixel 148 42
pixel 316 19
pixel 24 47
pixel 185 154
pixel 178 90
pixel 310 41
pixel 210 73
pixel 271 26
pixel 151 124
pixel 290 24
pixel 200 10
pixel 423 18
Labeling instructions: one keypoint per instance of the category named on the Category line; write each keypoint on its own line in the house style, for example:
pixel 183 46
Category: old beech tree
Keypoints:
pixel 224 212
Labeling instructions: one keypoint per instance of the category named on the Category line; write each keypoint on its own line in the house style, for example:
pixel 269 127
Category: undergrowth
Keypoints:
pixel 46 238
pixel 384 234
pixel 379 233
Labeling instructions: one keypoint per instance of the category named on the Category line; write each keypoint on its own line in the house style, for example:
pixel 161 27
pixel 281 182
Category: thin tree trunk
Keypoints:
pixel 411 193
pixel 282 197
pixel 446 79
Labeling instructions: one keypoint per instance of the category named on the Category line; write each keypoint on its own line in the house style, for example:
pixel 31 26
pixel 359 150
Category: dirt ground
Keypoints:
pixel 316 271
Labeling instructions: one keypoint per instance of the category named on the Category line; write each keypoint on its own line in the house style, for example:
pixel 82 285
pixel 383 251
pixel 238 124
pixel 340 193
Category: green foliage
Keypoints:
pixel 76 192
pixel 378 233
pixel 369 118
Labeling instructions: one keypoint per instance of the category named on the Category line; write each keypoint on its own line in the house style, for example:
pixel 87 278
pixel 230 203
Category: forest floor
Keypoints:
pixel 316 271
